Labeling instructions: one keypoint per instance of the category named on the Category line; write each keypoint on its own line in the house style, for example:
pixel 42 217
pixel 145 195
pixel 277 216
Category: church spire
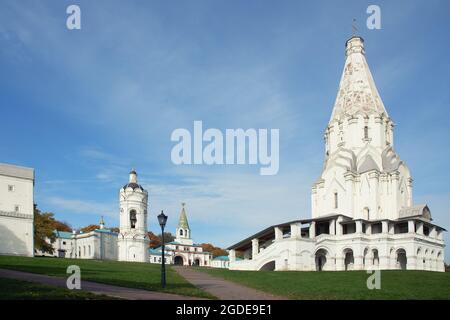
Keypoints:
pixel 183 222
pixel 183 232
pixel 357 92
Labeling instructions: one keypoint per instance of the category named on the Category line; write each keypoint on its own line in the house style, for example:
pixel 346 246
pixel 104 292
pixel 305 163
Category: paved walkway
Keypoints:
pixel 223 289
pixel 94 287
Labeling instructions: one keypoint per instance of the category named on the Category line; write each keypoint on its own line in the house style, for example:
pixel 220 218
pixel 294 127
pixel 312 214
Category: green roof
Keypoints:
pixel 183 222
pixel 222 258
pixel 225 258
pixel 63 234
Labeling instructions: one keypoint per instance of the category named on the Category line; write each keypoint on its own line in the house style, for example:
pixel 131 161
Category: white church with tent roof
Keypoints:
pixel 363 216
pixel 183 250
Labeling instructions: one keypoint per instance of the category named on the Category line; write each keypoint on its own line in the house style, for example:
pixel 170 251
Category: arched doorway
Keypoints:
pixel 432 261
pixel 321 259
pixel 439 263
pixel 366 259
pixel 196 262
pixel 349 259
pixel 269 266
pixel 402 261
pixel 375 257
pixel 178 260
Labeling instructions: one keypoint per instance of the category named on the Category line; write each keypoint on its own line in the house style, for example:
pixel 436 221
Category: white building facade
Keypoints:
pixel 16 210
pixel 100 244
pixel 363 215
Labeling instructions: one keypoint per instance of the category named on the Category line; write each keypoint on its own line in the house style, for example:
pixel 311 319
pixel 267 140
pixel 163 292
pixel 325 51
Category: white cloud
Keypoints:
pixel 82 206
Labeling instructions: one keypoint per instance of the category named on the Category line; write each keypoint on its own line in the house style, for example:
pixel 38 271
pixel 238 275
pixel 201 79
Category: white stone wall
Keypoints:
pixel 16 236
pixel 221 264
pixel 16 210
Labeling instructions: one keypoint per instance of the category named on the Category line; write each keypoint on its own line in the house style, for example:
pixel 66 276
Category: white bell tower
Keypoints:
pixel 133 241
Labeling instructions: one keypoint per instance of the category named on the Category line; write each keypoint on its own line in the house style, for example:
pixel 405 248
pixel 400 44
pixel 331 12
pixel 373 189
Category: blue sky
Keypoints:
pixel 83 107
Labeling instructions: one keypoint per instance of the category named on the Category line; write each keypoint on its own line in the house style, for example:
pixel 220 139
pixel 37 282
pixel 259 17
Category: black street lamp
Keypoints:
pixel 162 219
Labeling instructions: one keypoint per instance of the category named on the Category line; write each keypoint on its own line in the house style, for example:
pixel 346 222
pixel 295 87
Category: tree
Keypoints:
pixel 215 251
pixel 90 228
pixel 154 240
pixel 44 225
pixel 168 237
pixel 62 226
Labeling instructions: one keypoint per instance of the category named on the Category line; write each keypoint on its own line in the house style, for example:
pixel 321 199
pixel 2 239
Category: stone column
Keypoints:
pixel 312 230
pixel 340 263
pixel 419 227
pixel 411 227
pixel 358 226
pixel 339 230
pixel 295 231
pixel 278 233
pixel 384 227
pixel 255 248
pixel 369 229
pixel 232 255
pixel 332 226
pixel 369 260
pixel 391 228
pixel 432 232
pixel 358 261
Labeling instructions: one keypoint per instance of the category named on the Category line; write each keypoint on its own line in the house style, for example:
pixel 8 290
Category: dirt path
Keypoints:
pixel 223 289
pixel 94 287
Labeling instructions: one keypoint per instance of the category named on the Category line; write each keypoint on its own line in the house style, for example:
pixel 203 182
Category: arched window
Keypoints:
pixel 133 219
pixel 181 232
pixel 89 250
pixel 366 132
pixel 336 200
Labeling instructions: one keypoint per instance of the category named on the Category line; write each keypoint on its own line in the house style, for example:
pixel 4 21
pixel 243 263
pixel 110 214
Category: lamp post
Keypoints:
pixel 162 219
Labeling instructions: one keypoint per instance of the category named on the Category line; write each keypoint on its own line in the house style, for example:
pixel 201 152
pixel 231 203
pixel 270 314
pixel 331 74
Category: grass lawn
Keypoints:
pixel 126 274
pixel 24 290
pixel 343 285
